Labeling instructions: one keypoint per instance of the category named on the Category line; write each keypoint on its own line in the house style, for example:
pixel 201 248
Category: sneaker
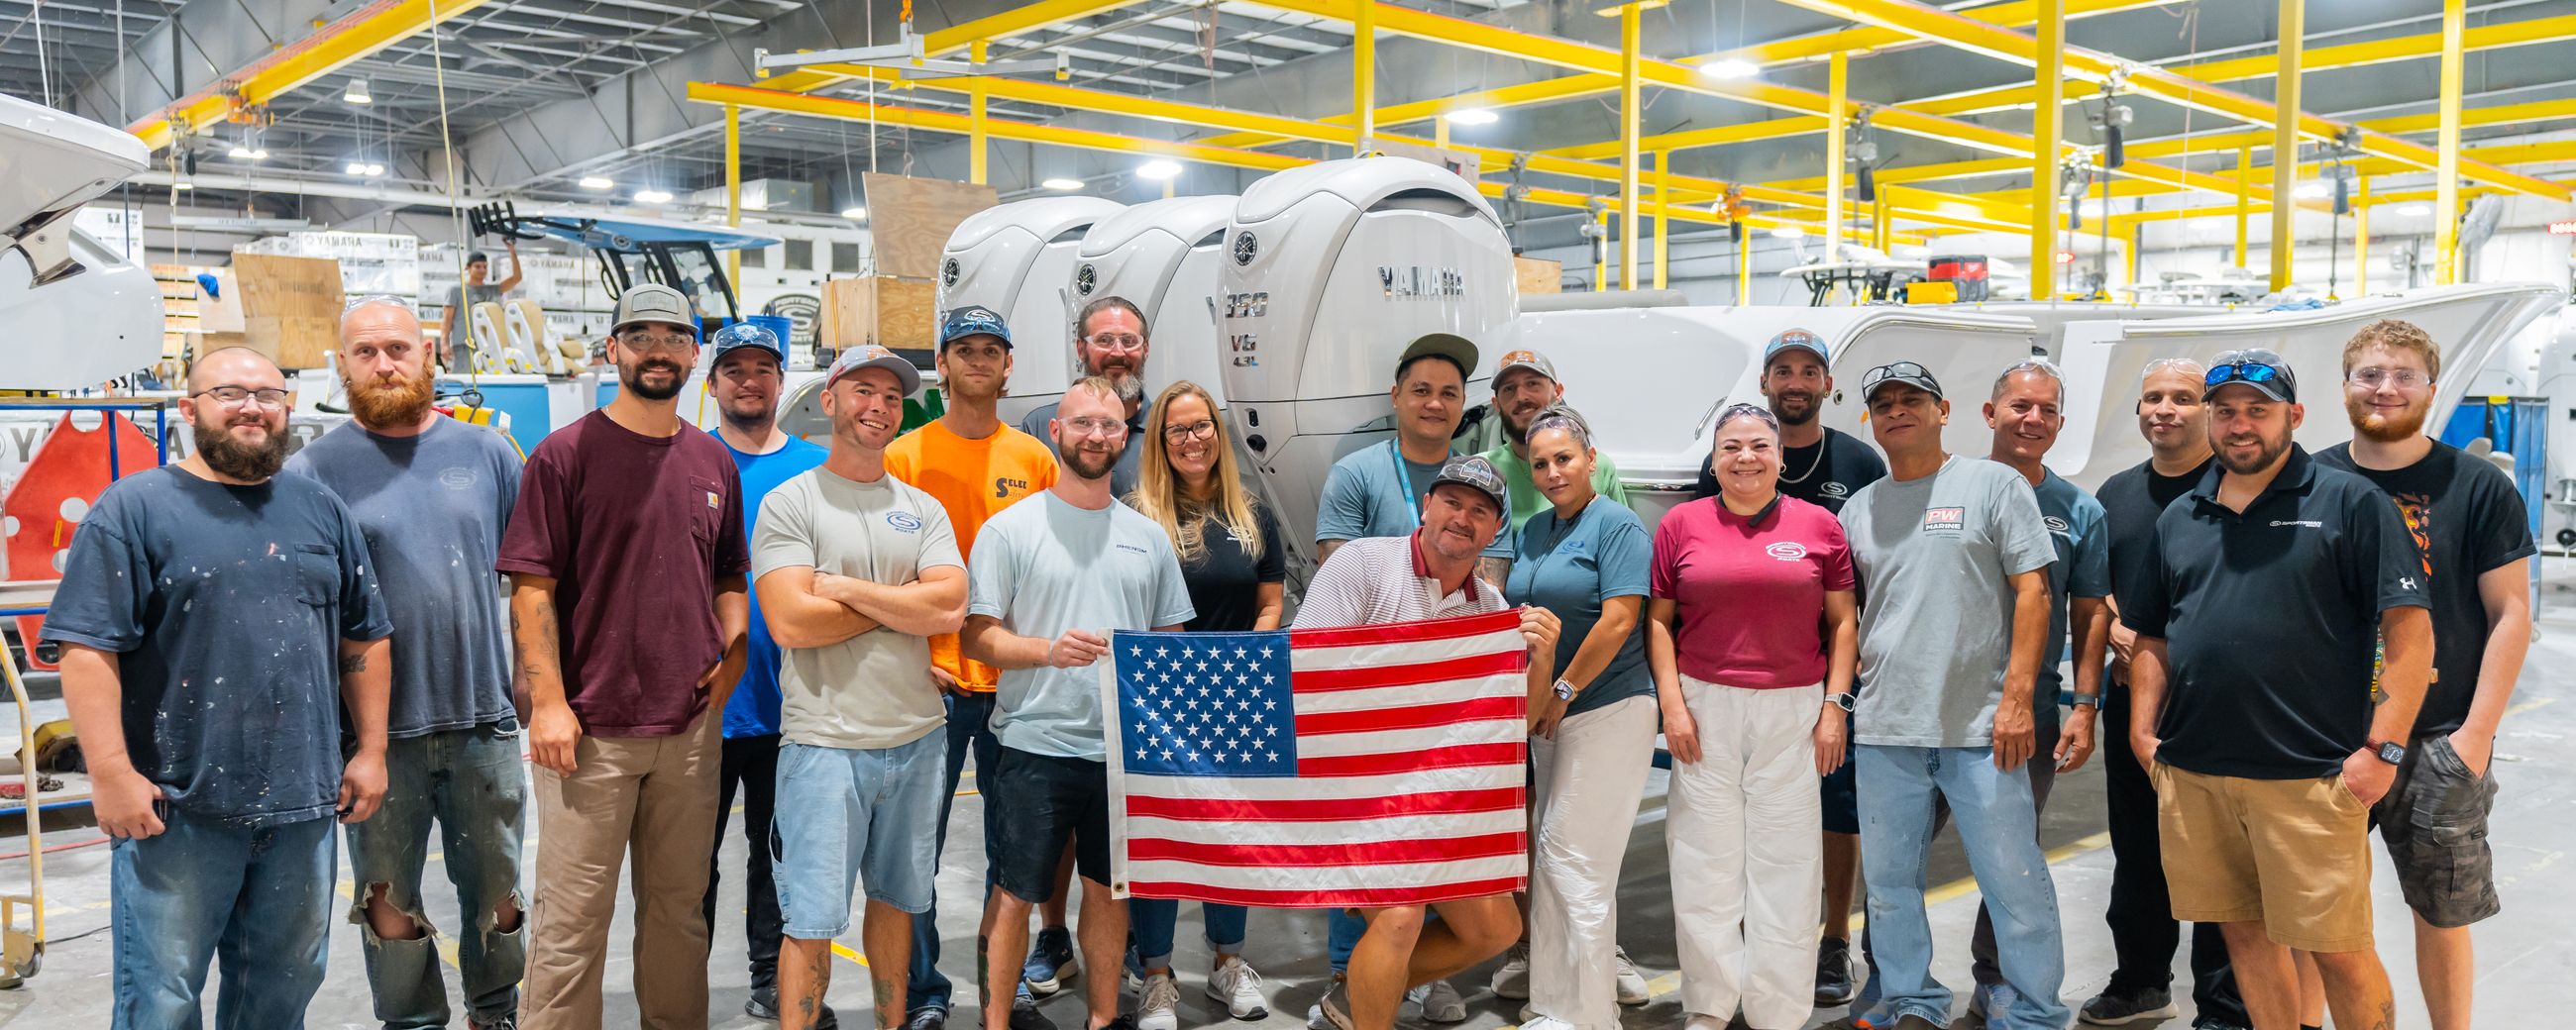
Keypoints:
pixel 1833 972
pixel 501 1022
pixel 1050 961
pixel 1440 1002
pixel 762 1005
pixel 1236 984
pixel 1120 1023
pixel 1534 1021
pixel 928 1017
pixel 1989 1002
pixel 2115 1007
pixel 1863 1021
pixel 1511 979
pixel 1025 1014
pixel 2216 1023
pixel 1333 1010
pixel 1158 1005
pixel 1632 984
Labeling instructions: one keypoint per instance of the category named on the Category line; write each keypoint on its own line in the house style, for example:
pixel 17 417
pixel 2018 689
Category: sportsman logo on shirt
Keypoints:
pixel 1833 489
pixel 904 521
pixel 1787 550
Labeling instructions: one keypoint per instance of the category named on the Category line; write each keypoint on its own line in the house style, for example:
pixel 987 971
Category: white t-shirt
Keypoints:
pixel 873 690
pixel 1379 579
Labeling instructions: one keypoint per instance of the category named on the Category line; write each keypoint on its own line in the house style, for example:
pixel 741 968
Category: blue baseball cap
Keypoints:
pixel 973 320
pixel 1797 339
pixel 745 334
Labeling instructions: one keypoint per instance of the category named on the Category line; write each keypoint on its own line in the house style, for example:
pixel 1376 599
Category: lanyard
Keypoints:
pixel 1404 482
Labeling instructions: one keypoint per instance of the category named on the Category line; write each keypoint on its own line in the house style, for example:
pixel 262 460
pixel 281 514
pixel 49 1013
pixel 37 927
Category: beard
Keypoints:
pixel 1087 464
pixel 2368 422
pixel 400 401
pixel 750 416
pixel 632 377
pixel 250 462
pixel 2270 452
pixel 1131 388
pixel 1803 412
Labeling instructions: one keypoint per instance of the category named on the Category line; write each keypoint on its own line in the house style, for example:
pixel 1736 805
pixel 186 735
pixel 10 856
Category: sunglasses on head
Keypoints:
pixel 2241 372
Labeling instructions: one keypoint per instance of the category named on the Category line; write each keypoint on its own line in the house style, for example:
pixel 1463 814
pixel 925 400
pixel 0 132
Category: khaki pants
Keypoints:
pixel 656 795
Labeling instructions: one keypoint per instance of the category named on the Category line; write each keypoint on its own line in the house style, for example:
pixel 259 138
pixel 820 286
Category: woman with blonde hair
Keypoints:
pixel 1235 566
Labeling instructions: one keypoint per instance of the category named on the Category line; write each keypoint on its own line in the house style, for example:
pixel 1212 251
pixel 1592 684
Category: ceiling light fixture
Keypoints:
pixel 1730 68
pixel 2414 210
pixel 598 182
pixel 1158 169
pixel 1787 232
pixel 357 93
pixel 855 214
pixel 238 153
pixel 652 196
pixel 2312 191
pixel 1062 185
pixel 1472 116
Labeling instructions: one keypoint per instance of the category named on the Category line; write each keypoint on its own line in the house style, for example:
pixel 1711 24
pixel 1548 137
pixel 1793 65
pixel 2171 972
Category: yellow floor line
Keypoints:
pixel 844 951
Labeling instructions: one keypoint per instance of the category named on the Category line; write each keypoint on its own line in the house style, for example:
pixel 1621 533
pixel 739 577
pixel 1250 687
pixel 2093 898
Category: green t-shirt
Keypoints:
pixel 1527 501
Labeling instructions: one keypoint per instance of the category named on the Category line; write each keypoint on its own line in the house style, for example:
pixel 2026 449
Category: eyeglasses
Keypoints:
pixel 1117 342
pixel 1199 430
pixel 1095 426
pixel 657 343
pixel 236 396
pixel 2401 378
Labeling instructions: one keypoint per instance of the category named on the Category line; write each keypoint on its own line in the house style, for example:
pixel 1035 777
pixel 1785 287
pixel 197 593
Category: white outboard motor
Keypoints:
pixel 1163 256
pixel 76 312
pixel 1017 259
pixel 1330 271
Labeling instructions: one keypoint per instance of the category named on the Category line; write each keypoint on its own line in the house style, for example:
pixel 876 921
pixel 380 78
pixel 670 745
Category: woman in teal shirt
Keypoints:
pixel 1586 559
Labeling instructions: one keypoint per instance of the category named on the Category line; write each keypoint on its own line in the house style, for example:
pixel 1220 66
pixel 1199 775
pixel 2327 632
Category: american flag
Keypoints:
pixel 1320 768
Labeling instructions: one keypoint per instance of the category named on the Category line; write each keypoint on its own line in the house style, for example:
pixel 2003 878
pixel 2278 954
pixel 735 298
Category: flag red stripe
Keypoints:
pixel 1308 681
pixel 1406 632
pixel 1412 717
pixel 1459 802
pixel 1413 761
pixel 1366 853
pixel 1368 898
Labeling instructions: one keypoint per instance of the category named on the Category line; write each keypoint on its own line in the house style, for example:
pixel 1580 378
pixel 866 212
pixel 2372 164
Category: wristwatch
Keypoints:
pixel 1564 690
pixel 1845 701
pixel 2389 751
pixel 2084 700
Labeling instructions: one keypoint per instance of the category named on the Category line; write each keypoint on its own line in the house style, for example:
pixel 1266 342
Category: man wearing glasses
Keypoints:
pixel 1111 340
pixel 1047 582
pixel 627 556
pixel 2476 538
pixel 2251 677
pixel 218 622
pixel 1953 557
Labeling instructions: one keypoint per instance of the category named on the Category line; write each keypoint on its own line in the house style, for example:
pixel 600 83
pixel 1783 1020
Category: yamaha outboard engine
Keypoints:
pixel 1017 259
pixel 1163 256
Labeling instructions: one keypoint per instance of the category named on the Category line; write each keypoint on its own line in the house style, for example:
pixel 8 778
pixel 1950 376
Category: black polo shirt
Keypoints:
pixel 2131 502
pixel 2271 618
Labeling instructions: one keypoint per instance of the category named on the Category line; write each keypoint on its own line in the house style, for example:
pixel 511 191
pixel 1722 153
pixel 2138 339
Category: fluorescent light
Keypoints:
pixel 357 93
pixel 2311 190
pixel 652 196
pixel 259 153
pixel 1064 185
pixel 598 182
pixel 375 169
pixel 855 214
pixel 1730 68
pixel 2414 210
pixel 1911 252
pixel 183 185
pixel 357 168
pixel 1788 232
pixel 1472 116
pixel 1158 169
pixel 755 205
pixel 238 153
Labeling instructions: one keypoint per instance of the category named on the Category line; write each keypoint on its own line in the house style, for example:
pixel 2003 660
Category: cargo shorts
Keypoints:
pixel 2434 820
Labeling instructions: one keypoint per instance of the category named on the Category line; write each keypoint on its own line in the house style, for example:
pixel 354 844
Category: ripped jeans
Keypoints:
pixel 471 783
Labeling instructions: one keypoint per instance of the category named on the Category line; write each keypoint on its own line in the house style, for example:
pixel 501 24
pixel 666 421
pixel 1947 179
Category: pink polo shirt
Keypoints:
pixel 1750 593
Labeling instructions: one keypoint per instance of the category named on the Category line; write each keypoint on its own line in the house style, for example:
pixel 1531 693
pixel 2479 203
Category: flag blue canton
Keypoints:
pixel 1206 704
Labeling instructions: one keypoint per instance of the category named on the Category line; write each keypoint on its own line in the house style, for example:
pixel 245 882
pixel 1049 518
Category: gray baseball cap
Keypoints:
pixel 1524 358
pixel 654 302
pixel 1474 471
pixel 853 359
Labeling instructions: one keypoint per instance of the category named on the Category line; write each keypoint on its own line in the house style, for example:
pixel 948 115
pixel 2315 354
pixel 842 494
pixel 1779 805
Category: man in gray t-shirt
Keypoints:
pixel 461 298
pixel 432 496
pixel 1953 560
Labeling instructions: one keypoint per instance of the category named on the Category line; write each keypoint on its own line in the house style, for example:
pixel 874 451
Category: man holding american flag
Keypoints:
pixel 1399 786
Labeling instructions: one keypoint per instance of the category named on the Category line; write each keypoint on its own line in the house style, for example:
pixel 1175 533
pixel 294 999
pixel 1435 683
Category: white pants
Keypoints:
pixel 1590 779
pixel 1746 853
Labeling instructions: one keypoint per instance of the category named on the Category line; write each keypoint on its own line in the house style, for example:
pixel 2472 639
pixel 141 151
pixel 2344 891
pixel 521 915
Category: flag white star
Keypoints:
pixel 1162 652
pixel 1267 679
pixel 1187 654
pixel 1239 652
pixel 1135 652
pixel 1265 652
pixel 1274 756
pixel 1268 703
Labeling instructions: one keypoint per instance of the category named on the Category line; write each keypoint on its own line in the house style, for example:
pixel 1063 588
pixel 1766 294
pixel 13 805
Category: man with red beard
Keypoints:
pixel 2475 539
pixel 432 495
pixel 219 627
pixel 628 609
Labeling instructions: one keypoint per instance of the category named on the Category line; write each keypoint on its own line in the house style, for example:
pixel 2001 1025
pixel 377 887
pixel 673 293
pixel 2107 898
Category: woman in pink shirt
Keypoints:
pixel 1752 633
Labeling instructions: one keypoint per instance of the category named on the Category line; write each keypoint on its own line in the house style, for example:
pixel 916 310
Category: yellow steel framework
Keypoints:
pixel 328 49
pixel 2446 178
pixel 1837 91
pixel 2047 126
pixel 2285 141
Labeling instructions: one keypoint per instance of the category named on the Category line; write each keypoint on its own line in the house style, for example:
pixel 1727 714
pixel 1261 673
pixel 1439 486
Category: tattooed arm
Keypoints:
pixel 366 685
pixel 553 729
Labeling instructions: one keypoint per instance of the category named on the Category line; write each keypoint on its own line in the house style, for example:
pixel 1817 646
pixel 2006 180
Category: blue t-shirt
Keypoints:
pixel 226 606
pixel 2080 532
pixel 1365 496
pixel 433 506
pixel 1570 568
pixel 752 711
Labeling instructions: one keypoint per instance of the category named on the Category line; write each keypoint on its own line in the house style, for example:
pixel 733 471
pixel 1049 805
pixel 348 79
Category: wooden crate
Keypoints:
pixel 1536 275
pixel 898 314
pixel 290 307
pixel 910 220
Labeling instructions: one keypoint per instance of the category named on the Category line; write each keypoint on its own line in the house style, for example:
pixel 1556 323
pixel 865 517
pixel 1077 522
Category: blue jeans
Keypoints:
pixel 970 731
pixel 258 898
pixel 1999 825
pixel 1342 931
pixel 1152 922
pixel 470 782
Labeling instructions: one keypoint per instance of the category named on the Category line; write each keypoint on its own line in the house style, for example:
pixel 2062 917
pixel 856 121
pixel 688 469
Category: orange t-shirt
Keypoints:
pixel 972 479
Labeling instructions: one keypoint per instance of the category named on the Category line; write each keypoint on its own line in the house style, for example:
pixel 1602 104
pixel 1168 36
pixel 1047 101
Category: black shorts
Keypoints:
pixel 1032 806
pixel 2435 822
pixel 1840 791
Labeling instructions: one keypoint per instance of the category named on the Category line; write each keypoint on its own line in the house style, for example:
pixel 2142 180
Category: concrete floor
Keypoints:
pixel 2521 961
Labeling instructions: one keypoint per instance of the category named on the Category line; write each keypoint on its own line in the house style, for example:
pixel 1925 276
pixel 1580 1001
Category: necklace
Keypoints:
pixel 1811 466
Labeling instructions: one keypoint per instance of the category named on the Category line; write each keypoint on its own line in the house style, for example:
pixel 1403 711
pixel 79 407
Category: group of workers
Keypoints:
pixel 1841 648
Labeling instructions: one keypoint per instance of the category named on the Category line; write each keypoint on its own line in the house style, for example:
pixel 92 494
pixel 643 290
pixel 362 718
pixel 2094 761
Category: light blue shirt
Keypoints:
pixel 1376 491
pixel 752 711
pixel 1570 568
pixel 2080 531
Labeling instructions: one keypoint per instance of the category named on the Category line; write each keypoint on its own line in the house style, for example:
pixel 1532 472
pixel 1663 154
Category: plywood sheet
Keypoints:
pixel 290 307
pixel 898 314
pixel 910 220
pixel 1538 275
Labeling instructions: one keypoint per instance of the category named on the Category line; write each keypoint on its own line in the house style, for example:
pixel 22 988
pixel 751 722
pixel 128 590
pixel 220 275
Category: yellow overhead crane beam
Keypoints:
pixel 330 48
pixel 1969 34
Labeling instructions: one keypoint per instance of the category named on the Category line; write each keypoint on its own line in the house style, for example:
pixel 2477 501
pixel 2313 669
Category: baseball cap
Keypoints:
pixel 653 302
pixel 2261 369
pixel 1529 359
pixel 973 320
pixel 853 359
pixel 1905 372
pixel 1457 349
pixel 1797 339
pixel 1474 471
pixel 745 334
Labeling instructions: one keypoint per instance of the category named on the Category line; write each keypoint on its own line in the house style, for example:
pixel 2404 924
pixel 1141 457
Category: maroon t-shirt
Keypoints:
pixel 635 530
pixel 1750 593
